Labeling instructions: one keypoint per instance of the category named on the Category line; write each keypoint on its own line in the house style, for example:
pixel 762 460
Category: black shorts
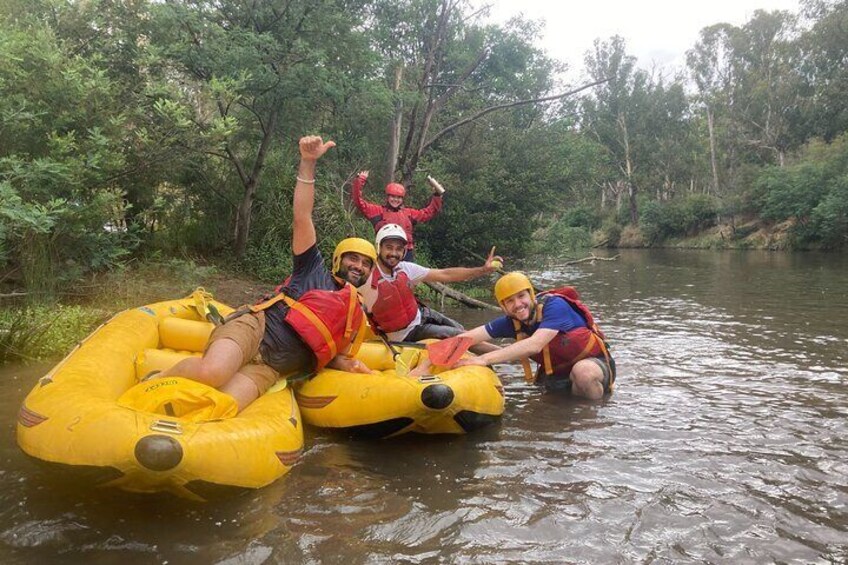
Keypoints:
pixel 556 383
pixel 434 325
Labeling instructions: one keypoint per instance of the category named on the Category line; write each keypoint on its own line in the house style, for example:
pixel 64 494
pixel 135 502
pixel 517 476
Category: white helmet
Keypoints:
pixel 390 231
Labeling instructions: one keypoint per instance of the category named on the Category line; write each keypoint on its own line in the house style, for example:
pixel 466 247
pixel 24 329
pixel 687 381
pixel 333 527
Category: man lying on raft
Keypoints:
pixel 313 321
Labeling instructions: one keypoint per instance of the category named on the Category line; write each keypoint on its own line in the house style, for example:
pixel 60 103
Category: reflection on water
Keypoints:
pixel 724 442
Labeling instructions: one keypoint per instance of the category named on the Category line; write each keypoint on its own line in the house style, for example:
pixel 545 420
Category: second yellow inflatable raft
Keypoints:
pixel 385 404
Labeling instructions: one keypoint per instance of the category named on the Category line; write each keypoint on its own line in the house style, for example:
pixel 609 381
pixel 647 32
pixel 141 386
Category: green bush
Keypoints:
pixel 790 192
pixel 830 217
pixel 660 221
pixel 561 238
pixel 610 233
pixel 699 211
pixel 582 217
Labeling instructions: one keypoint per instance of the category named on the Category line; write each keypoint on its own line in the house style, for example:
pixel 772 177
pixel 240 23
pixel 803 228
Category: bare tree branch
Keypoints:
pixel 491 109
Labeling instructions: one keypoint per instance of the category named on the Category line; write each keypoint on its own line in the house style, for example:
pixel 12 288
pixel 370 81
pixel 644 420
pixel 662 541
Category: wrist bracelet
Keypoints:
pixel 304 181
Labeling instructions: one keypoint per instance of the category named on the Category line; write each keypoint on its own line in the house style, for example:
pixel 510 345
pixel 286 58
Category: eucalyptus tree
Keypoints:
pixel 710 64
pixel 673 161
pixel 447 71
pixel 615 112
pixel 825 66
pixel 768 84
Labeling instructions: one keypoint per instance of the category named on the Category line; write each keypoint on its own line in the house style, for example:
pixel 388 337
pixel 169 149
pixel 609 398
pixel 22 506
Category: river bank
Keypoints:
pixel 749 234
pixel 33 329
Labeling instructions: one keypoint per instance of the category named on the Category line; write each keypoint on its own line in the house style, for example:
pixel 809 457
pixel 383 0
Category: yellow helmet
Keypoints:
pixel 513 283
pixel 353 245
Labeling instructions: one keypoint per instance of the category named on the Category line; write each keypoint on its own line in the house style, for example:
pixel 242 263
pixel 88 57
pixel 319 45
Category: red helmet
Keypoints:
pixel 395 189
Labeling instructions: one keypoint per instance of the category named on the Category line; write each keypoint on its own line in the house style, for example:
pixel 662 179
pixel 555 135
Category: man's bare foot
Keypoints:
pixel 422 369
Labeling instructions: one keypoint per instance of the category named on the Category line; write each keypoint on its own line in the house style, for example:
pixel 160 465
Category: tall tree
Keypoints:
pixel 710 63
pixel 257 70
pixel 615 111
pixel 768 84
pixel 825 66
pixel 446 72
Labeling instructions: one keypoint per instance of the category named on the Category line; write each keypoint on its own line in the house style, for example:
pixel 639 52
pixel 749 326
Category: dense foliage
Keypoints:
pixel 143 126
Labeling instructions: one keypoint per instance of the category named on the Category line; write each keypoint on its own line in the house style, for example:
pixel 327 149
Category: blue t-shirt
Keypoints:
pixel 557 314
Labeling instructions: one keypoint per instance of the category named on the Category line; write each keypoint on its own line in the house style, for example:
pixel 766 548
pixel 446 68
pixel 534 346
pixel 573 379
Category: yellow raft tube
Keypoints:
pixel 385 404
pixel 91 414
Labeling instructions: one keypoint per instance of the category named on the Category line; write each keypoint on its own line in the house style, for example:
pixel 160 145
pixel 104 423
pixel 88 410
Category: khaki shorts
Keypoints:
pixel 247 331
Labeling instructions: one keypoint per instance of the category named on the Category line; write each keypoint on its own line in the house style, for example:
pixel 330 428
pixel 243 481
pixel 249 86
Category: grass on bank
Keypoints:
pixel 36 331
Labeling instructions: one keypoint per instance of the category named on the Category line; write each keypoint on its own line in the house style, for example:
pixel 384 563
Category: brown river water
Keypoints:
pixel 726 441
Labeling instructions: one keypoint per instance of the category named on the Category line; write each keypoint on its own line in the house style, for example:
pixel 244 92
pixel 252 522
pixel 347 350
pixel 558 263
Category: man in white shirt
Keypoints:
pixel 389 297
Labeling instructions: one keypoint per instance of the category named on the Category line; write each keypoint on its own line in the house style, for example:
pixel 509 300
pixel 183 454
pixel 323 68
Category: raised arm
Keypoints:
pixel 312 147
pixel 433 207
pixel 368 209
pixel 458 274
pixel 427 213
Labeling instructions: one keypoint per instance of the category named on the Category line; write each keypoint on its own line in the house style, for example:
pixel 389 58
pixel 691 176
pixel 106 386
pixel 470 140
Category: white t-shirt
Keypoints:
pixel 416 274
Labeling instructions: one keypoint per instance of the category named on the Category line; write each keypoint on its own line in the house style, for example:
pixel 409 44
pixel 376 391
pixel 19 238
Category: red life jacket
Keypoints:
pixel 328 321
pixel 395 307
pixel 560 355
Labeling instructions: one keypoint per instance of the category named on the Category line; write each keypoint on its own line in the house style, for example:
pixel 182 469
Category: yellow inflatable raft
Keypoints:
pixel 91 414
pixel 385 404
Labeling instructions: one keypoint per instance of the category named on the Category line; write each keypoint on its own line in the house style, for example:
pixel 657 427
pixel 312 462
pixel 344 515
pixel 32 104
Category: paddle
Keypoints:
pixel 401 367
pixel 204 308
pixel 446 352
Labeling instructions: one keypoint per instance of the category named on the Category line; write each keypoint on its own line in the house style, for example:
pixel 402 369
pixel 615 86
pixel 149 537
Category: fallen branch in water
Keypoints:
pixel 14 294
pixel 591 257
pixel 445 290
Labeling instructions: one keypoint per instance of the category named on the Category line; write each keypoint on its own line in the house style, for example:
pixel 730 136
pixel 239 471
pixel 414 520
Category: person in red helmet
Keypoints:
pixel 393 211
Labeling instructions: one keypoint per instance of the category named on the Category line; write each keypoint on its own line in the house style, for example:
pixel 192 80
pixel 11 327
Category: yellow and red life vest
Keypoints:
pixel 395 307
pixel 328 321
pixel 560 355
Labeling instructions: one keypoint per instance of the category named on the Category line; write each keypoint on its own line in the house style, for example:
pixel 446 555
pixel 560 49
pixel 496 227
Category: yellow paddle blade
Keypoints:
pixel 407 360
pixel 401 368
pixel 201 299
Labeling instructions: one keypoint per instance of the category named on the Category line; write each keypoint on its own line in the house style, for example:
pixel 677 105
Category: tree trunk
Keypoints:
pixel 634 208
pixel 628 171
pixel 245 211
pixel 713 163
pixel 445 290
pixel 395 128
pixel 250 181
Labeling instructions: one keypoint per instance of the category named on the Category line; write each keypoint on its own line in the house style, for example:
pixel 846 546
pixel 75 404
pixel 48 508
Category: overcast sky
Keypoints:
pixel 655 31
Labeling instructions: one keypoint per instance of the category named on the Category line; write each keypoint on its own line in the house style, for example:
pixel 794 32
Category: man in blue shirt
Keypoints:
pixel 556 330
